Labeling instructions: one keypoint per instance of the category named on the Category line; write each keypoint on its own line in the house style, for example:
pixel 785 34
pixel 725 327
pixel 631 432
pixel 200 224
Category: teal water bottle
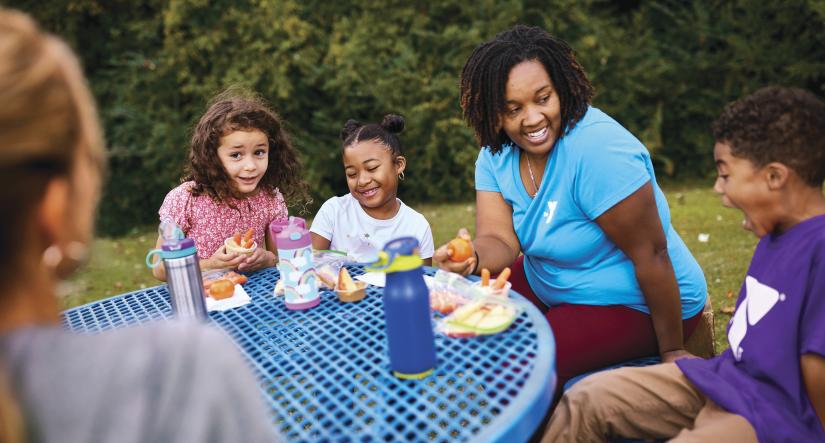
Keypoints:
pixel 406 310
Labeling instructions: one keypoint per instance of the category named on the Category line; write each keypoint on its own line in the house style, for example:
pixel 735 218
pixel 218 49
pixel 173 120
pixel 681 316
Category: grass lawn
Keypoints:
pixel 117 264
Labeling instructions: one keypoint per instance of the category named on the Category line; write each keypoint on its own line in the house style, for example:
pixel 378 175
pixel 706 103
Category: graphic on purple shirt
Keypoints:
pixel 780 315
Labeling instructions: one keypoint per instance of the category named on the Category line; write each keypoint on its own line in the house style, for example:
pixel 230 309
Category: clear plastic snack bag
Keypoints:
pixel 485 315
pixel 327 265
pixel 215 275
pixel 449 291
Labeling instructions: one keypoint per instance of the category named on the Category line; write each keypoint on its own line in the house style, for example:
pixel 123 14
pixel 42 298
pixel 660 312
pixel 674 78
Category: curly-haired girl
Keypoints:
pixel 242 170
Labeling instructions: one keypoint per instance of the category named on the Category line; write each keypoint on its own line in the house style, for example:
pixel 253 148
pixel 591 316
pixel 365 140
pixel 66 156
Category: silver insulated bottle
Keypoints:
pixel 184 279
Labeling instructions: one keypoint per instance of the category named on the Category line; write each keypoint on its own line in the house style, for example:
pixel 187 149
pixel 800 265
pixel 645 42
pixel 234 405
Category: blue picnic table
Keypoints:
pixel 325 371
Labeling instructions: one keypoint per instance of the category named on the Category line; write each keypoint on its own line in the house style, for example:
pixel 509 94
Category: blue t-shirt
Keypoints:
pixel 780 315
pixel 567 256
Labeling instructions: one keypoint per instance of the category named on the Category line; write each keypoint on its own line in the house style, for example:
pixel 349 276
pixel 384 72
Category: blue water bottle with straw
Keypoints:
pixel 406 310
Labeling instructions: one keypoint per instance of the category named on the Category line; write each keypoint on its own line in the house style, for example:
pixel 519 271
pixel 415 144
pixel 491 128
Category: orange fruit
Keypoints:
pixel 221 288
pixel 459 249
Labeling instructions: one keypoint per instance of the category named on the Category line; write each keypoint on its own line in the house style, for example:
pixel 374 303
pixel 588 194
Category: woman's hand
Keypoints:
pixel 678 354
pixel 222 259
pixel 441 259
pixel 259 259
pixel 444 256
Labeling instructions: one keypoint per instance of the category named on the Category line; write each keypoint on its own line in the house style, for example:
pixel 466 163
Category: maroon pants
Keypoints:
pixel 592 337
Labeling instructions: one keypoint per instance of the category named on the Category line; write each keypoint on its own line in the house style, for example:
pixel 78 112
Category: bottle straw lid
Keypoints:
pixel 400 254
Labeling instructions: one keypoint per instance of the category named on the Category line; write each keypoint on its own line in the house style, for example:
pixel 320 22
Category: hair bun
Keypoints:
pixel 393 123
pixel 349 128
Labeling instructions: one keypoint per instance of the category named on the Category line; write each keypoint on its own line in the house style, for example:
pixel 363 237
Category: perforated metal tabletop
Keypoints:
pixel 325 371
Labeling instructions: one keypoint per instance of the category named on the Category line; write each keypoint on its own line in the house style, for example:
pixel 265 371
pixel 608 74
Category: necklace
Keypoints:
pixel 532 178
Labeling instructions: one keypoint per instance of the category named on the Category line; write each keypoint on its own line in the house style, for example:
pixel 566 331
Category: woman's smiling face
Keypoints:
pixel 372 173
pixel 532 112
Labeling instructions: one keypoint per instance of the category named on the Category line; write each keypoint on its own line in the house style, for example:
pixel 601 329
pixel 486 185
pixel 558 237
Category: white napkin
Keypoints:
pixel 239 298
pixel 380 279
pixel 373 278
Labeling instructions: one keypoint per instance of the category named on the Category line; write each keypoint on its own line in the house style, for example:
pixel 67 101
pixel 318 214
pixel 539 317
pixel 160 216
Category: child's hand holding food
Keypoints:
pixel 222 259
pixel 259 259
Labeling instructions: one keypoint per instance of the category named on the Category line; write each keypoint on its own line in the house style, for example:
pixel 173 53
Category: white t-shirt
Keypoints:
pixel 343 222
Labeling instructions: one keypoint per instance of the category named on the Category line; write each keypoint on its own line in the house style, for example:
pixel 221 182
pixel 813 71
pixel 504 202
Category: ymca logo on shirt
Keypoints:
pixel 759 300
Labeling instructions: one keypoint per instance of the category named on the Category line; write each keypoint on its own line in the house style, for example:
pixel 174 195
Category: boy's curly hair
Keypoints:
pixel 484 80
pixel 777 124
pixel 233 110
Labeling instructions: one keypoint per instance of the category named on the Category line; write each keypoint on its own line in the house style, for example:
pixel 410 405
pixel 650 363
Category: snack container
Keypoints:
pixel 354 295
pixel 488 290
pixel 482 316
pixel 449 291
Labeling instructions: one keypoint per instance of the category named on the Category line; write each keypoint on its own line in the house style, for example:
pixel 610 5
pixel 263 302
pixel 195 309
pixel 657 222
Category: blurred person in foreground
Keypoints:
pixel 158 383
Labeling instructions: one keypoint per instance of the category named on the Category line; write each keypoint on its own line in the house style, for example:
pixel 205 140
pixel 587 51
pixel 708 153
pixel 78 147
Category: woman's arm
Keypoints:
pixel 813 374
pixel 634 226
pixel 496 243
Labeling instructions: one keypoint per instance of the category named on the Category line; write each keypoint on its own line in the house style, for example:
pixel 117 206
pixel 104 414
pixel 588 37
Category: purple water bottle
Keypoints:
pixel 295 264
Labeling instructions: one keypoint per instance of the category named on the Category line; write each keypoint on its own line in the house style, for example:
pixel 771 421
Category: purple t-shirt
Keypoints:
pixel 779 316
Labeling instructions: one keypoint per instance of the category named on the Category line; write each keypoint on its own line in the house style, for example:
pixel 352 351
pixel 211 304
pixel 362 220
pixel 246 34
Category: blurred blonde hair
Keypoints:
pixel 46 116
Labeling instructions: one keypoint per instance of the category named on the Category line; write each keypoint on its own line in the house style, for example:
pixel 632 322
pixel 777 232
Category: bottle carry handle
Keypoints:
pixel 150 256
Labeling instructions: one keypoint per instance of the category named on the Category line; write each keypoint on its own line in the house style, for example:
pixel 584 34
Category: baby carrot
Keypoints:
pixel 248 235
pixel 485 277
pixel 501 279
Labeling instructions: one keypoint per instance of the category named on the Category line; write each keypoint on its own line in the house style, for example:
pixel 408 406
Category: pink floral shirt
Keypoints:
pixel 210 223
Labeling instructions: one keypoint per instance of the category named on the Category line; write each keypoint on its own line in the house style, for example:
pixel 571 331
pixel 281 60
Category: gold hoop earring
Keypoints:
pixel 401 176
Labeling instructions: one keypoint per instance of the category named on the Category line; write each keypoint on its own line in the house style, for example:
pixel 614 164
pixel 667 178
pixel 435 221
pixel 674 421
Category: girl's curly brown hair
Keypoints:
pixel 234 110
pixel 484 80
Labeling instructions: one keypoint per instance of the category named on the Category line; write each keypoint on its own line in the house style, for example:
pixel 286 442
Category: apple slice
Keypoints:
pixel 454 331
pixel 483 318
pixel 496 320
pixel 345 282
pixel 461 314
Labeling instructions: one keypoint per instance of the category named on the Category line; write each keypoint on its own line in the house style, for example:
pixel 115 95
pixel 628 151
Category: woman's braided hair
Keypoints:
pixel 484 80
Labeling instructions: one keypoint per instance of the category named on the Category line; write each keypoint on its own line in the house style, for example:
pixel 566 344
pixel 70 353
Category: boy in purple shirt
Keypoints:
pixel 770 384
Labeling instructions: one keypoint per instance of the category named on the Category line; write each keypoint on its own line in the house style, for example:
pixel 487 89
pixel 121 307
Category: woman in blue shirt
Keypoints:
pixel 566 185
